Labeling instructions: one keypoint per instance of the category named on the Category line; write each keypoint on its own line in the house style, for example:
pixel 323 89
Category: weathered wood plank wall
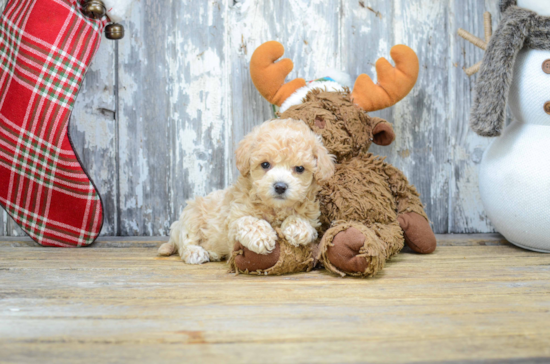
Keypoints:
pixel 161 113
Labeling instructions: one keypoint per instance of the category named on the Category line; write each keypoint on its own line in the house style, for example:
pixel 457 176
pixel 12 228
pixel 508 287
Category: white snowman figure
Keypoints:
pixel 514 175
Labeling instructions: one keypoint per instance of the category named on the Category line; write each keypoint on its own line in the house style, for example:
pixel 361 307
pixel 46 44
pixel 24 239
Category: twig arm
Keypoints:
pixel 478 42
pixel 488 20
pixel 470 71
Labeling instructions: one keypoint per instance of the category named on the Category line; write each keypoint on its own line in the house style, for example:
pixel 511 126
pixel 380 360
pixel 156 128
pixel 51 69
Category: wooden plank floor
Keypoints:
pixel 477 299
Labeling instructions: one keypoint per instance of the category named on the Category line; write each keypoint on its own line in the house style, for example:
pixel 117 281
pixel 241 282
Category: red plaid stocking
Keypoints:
pixel 45 49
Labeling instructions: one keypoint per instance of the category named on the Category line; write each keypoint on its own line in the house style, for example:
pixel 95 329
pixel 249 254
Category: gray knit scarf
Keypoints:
pixel 518 28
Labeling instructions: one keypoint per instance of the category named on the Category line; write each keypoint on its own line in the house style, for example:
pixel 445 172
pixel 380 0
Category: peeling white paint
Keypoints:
pixel 365 29
pixel 143 178
pixel 196 168
pixel 204 89
pixel 98 130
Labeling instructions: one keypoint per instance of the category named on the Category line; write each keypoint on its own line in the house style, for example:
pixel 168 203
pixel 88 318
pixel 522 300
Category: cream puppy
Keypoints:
pixel 280 163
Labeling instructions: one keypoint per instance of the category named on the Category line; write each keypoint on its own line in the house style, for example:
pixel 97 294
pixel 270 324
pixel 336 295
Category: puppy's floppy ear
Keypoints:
pixel 243 154
pixel 382 132
pixel 325 161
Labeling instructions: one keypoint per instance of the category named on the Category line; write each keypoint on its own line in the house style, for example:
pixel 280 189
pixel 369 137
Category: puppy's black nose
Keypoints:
pixel 280 187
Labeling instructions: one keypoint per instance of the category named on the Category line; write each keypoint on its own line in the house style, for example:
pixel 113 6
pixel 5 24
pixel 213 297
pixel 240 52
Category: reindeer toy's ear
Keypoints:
pixel 382 132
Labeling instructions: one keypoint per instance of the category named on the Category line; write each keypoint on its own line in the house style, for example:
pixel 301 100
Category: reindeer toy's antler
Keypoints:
pixel 478 42
pixel 394 83
pixel 269 77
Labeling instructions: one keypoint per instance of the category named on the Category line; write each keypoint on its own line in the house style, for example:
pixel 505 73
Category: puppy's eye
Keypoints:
pixel 299 169
pixel 266 165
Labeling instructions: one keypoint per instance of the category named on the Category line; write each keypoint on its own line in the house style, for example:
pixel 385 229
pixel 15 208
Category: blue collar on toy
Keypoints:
pixel 323 79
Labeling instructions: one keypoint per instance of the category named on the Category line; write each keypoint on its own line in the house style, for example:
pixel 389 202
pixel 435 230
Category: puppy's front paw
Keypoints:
pixel 298 231
pixel 194 254
pixel 256 235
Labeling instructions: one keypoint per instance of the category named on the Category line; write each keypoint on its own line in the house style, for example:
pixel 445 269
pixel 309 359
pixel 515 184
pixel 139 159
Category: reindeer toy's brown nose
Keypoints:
pixel 95 9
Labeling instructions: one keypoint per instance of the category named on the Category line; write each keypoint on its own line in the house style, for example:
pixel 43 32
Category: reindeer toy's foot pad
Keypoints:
pixel 418 234
pixel 357 250
pixel 284 259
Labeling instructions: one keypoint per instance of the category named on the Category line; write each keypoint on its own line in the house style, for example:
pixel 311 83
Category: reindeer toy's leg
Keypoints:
pixel 356 249
pixel 372 211
pixel 412 218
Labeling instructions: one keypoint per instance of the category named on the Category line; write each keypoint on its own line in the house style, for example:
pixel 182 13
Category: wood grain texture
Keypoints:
pixel 172 111
pixel 186 99
pixel 156 241
pixel 468 302
pixel 466 213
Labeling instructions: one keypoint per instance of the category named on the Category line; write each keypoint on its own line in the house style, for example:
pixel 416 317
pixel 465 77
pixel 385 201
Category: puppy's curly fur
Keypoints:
pixel 272 191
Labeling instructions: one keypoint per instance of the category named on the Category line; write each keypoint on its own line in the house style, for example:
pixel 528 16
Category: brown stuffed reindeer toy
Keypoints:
pixel 368 208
